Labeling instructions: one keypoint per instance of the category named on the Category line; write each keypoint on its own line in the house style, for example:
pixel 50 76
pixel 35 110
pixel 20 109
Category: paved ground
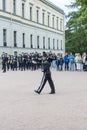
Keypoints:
pixel 22 109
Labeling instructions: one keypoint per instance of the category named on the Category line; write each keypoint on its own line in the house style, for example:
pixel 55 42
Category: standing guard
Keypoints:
pixel 15 58
pixel 20 62
pixel 8 62
pixel 24 61
pixel 4 62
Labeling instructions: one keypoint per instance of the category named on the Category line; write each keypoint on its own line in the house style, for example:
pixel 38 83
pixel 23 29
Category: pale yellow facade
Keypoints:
pixel 21 22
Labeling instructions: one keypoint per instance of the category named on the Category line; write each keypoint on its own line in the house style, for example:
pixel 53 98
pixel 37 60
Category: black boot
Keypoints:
pixel 36 92
pixel 52 92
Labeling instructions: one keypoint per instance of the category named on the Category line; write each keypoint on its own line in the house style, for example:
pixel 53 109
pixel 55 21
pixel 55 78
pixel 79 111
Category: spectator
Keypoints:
pixel 66 61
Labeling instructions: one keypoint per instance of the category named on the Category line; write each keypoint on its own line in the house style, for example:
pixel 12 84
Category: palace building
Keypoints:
pixel 31 25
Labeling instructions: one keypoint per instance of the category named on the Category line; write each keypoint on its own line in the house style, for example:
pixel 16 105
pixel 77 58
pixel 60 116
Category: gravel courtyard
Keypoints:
pixel 22 109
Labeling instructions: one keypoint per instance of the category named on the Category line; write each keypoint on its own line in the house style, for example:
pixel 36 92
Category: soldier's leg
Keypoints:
pixel 13 67
pixel 51 84
pixel 4 67
pixel 43 82
pixel 16 66
pixel 7 66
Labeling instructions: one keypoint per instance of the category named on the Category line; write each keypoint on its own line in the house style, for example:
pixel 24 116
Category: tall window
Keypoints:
pixel 14 6
pixel 61 45
pixel 23 36
pixel 43 42
pixel 4 37
pixel 61 24
pixel 31 13
pixel 57 23
pixel 48 43
pixel 31 41
pixel 53 21
pixel 23 9
pixel 53 43
pixel 37 16
pixel 15 39
pixel 37 41
pixel 57 44
pixel 43 18
pixel 4 5
pixel 48 20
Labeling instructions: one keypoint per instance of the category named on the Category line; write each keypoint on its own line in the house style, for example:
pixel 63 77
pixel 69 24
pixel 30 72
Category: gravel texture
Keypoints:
pixel 22 109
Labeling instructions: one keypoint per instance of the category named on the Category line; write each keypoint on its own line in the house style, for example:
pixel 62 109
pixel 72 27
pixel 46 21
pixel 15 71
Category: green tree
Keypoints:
pixel 76 28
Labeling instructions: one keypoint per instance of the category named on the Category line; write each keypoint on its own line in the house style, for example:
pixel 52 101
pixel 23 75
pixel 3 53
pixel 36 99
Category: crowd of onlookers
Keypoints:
pixel 72 62
pixel 32 61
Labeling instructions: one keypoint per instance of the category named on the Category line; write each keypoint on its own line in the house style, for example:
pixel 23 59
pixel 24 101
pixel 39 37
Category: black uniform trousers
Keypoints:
pixel 46 77
pixel 4 67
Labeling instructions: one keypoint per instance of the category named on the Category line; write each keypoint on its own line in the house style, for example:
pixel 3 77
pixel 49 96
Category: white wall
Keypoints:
pixel 29 27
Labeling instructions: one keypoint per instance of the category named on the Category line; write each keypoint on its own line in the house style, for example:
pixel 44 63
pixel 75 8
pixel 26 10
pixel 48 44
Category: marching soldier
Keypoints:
pixel 46 77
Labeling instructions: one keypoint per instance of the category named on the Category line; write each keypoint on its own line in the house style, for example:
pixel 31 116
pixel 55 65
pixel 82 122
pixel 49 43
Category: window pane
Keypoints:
pixel 60 24
pixel 23 10
pixel 57 22
pixel 48 20
pixel 37 16
pixel 4 5
pixel 61 45
pixel 53 43
pixel 37 41
pixel 53 22
pixel 23 40
pixel 57 44
pixel 15 38
pixel 43 42
pixel 14 6
pixel 31 39
pixel 31 13
pixel 4 37
pixel 43 16
pixel 48 43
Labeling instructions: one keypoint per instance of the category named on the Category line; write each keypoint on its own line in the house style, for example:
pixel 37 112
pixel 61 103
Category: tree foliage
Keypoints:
pixel 76 28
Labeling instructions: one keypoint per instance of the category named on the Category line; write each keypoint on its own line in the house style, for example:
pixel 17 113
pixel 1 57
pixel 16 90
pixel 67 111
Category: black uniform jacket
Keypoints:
pixel 46 67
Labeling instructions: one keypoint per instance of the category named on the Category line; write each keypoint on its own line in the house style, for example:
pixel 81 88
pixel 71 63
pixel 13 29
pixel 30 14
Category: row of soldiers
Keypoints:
pixel 23 61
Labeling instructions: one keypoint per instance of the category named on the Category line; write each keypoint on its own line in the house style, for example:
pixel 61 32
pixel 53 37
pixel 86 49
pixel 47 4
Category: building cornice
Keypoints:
pixel 47 2
pixel 29 23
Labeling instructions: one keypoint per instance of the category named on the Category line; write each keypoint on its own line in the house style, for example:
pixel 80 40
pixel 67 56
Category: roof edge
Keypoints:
pixel 53 6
